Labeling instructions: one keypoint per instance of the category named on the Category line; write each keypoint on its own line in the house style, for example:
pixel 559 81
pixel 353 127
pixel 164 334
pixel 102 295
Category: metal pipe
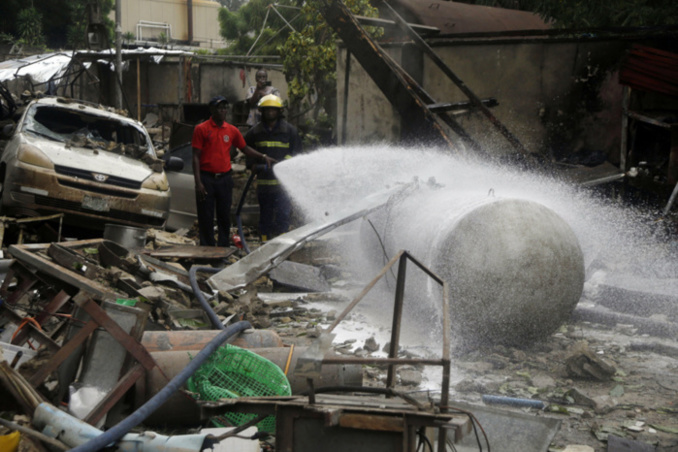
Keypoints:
pixel 117 432
pixel 513 401
pixel 30 432
pixel 344 119
pixel 189 18
pixel 118 53
pixel 397 318
pixel 181 410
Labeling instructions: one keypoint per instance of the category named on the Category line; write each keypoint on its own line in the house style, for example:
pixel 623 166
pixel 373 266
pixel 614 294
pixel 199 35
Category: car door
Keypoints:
pixel 182 184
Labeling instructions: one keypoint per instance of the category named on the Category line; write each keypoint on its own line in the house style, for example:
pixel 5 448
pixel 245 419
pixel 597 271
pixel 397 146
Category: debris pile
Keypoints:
pixel 105 320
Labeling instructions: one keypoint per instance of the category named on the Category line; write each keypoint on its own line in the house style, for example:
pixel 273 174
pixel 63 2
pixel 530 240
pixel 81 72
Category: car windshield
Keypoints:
pixel 81 129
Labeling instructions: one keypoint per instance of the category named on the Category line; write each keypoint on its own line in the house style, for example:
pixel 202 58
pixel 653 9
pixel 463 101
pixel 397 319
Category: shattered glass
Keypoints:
pixel 82 129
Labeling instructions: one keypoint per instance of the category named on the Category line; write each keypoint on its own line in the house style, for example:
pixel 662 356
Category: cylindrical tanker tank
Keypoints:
pixel 514 268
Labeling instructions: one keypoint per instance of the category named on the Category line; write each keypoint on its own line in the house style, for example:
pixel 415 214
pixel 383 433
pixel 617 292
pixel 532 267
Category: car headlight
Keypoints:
pixel 34 156
pixel 156 181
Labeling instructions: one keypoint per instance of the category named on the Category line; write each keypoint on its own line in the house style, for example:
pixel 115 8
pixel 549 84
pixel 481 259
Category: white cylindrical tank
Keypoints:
pixel 514 267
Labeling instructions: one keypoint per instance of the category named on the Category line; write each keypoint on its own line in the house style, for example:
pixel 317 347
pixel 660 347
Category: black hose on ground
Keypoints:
pixel 198 294
pixel 155 402
pixel 238 219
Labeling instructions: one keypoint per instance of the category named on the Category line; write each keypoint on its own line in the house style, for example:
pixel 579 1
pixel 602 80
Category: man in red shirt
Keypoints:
pixel 212 142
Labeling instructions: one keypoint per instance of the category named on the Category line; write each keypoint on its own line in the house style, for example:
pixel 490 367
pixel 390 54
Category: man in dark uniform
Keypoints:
pixel 212 142
pixel 278 139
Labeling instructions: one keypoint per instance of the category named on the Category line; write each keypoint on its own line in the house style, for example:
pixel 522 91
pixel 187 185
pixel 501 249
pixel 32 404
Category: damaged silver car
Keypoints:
pixel 93 165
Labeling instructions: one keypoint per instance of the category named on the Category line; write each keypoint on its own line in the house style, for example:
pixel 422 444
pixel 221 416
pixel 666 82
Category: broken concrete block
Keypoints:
pixel 410 377
pixel 603 404
pixel 470 385
pixel 153 293
pixel 543 381
pixel 299 276
pixel 580 398
pixel 619 444
pixel 578 448
pixel 371 345
pixel 583 363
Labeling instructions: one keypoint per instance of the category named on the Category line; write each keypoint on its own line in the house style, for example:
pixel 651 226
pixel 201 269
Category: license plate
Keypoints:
pixel 95 203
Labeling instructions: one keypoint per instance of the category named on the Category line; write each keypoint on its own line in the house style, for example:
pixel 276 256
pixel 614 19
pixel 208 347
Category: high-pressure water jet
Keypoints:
pixel 508 243
pixel 514 268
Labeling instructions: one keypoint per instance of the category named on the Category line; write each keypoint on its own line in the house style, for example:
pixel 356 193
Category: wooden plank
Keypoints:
pixel 33 332
pixel 133 346
pixel 26 279
pixel 39 377
pixel 29 254
pixel 192 252
pixel 105 405
pixel 372 422
pixel 68 258
pixel 53 306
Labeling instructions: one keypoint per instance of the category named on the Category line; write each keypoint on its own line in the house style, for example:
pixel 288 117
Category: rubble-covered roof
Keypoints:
pixel 453 17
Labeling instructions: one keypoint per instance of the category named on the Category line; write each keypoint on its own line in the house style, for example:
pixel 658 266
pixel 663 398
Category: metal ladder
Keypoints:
pixel 416 107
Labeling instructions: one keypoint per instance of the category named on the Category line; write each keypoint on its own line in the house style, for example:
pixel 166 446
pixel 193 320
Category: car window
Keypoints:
pixel 86 130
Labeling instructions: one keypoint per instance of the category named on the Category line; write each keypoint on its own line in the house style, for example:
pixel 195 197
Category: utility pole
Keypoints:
pixel 118 54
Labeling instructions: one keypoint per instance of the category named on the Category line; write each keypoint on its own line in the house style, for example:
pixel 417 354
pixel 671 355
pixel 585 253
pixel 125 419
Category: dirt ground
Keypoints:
pixel 637 401
pixel 597 380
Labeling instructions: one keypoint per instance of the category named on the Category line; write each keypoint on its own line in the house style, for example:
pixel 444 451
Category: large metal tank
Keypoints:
pixel 514 267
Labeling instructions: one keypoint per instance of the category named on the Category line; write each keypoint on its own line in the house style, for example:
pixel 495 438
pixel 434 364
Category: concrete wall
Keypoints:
pixel 556 97
pixel 160 83
pixel 175 14
pixel 370 116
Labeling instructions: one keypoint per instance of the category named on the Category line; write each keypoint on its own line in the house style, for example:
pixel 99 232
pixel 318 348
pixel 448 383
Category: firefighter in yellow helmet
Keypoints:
pixel 278 139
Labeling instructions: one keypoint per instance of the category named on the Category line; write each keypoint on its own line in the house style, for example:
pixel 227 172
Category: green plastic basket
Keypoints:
pixel 232 372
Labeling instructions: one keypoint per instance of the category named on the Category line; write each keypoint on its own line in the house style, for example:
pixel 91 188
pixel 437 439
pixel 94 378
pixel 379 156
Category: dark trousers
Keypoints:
pixel 219 197
pixel 275 209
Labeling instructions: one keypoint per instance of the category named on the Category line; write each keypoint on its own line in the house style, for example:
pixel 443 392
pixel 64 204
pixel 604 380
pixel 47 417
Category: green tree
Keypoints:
pixel 310 62
pixel 63 22
pixel 257 21
pixel 308 51
pixel 232 5
pixel 29 22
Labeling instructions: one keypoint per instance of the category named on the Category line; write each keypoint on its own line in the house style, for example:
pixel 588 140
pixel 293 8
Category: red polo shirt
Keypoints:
pixel 215 144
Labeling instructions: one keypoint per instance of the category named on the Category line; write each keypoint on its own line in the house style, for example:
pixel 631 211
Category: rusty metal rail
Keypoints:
pixel 445 361
pixel 416 107
pixel 475 100
pixel 394 82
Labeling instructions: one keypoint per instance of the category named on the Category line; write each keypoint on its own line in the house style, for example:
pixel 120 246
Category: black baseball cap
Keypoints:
pixel 216 100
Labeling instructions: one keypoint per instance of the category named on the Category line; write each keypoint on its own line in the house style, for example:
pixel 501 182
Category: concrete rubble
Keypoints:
pixel 587 387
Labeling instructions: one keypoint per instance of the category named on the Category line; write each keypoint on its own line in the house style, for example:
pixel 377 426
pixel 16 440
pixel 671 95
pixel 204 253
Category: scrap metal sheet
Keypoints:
pixel 272 253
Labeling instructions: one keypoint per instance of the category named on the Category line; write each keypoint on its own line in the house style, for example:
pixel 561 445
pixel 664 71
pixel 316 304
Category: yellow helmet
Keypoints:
pixel 270 101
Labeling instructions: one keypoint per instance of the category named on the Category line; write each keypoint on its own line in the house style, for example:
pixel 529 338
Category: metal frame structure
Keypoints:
pixel 370 419
pixel 155 25
pixel 401 257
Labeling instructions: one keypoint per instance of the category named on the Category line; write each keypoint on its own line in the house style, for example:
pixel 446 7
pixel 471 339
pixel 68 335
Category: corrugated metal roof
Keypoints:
pixel 649 69
pixel 452 17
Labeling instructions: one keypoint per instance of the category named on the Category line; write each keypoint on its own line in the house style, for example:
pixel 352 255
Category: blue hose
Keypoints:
pixel 198 294
pixel 136 418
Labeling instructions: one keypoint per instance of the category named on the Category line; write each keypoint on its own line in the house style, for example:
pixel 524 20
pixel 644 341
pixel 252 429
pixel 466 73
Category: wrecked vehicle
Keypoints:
pixel 64 156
